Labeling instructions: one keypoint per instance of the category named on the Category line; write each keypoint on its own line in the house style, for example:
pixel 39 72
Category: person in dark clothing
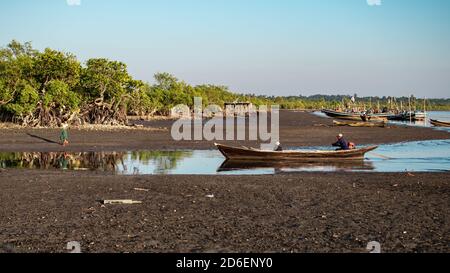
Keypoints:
pixel 341 143
pixel 278 148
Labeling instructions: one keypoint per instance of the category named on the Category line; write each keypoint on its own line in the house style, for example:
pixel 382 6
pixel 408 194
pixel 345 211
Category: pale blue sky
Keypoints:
pixel 280 47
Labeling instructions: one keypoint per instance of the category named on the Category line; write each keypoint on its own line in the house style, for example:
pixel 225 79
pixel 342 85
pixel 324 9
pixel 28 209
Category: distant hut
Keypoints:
pixel 238 108
pixel 212 111
pixel 180 112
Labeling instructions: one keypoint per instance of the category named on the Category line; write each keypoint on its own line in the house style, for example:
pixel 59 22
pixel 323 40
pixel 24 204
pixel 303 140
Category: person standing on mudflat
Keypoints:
pixel 64 136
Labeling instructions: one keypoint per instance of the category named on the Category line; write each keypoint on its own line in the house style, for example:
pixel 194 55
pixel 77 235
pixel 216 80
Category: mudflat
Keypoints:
pixel 41 211
pixel 296 129
pixel 307 212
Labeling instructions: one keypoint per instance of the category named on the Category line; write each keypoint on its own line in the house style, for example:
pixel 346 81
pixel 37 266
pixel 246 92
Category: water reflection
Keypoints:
pixel 282 167
pixel 94 161
pixel 163 161
pixel 61 160
pixel 421 156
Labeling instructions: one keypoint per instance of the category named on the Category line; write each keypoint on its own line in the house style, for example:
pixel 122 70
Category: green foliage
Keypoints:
pixel 58 95
pixel 5 93
pixel 49 87
pixel 104 79
pixel 169 92
pixel 141 103
pixel 24 102
pixel 54 65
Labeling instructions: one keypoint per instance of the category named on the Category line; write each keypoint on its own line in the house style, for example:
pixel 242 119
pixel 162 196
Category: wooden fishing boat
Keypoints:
pixel 356 116
pixel 343 115
pixel 438 123
pixel 420 116
pixel 244 153
pixel 409 116
pixel 359 124
pixel 376 117
pixel 397 117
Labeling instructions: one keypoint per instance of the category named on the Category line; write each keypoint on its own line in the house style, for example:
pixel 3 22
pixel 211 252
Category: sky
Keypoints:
pixel 270 47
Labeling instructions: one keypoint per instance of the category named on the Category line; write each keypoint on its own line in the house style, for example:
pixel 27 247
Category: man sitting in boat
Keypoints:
pixel 278 147
pixel 341 143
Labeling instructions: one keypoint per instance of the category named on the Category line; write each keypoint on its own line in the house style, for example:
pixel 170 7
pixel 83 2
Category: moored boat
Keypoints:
pixel 397 117
pixel 376 117
pixel 343 115
pixel 409 116
pixel 359 124
pixel 438 123
pixel 356 116
pixel 420 116
pixel 244 153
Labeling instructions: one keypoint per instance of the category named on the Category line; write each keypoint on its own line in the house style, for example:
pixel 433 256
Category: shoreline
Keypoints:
pixel 304 212
pixel 297 129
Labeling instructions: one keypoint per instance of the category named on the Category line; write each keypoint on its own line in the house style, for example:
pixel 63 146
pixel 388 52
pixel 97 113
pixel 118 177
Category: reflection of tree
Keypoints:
pixel 51 160
pixel 163 160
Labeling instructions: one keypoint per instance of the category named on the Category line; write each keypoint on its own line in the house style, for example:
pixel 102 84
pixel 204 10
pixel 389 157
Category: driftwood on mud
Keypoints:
pixel 120 202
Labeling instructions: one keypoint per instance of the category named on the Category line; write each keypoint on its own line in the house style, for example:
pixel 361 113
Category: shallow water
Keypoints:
pixel 442 116
pixel 422 156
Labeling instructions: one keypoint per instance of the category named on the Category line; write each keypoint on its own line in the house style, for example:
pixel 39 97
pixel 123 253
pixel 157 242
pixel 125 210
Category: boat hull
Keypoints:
pixel 420 116
pixel 356 116
pixel 341 115
pixel 438 123
pixel 359 124
pixel 235 153
pixel 408 117
pixel 379 117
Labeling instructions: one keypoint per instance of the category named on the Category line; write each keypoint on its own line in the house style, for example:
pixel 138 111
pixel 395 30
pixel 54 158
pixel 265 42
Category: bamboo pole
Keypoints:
pixel 425 110
pixel 410 110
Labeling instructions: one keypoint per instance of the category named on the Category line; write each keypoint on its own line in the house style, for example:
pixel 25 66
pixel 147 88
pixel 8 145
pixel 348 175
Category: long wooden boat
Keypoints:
pixel 244 153
pixel 376 117
pixel 409 116
pixel 438 123
pixel 356 116
pixel 398 117
pixel 359 124
pixel 343 115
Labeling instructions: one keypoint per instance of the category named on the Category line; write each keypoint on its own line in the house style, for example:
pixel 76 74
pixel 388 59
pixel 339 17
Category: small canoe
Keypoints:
pixel 244 153
pixel 438 123
pixel 359 124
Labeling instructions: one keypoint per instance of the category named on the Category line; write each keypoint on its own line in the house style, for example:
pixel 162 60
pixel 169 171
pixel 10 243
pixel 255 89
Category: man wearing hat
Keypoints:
pixel 278 147
pixel 341 143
